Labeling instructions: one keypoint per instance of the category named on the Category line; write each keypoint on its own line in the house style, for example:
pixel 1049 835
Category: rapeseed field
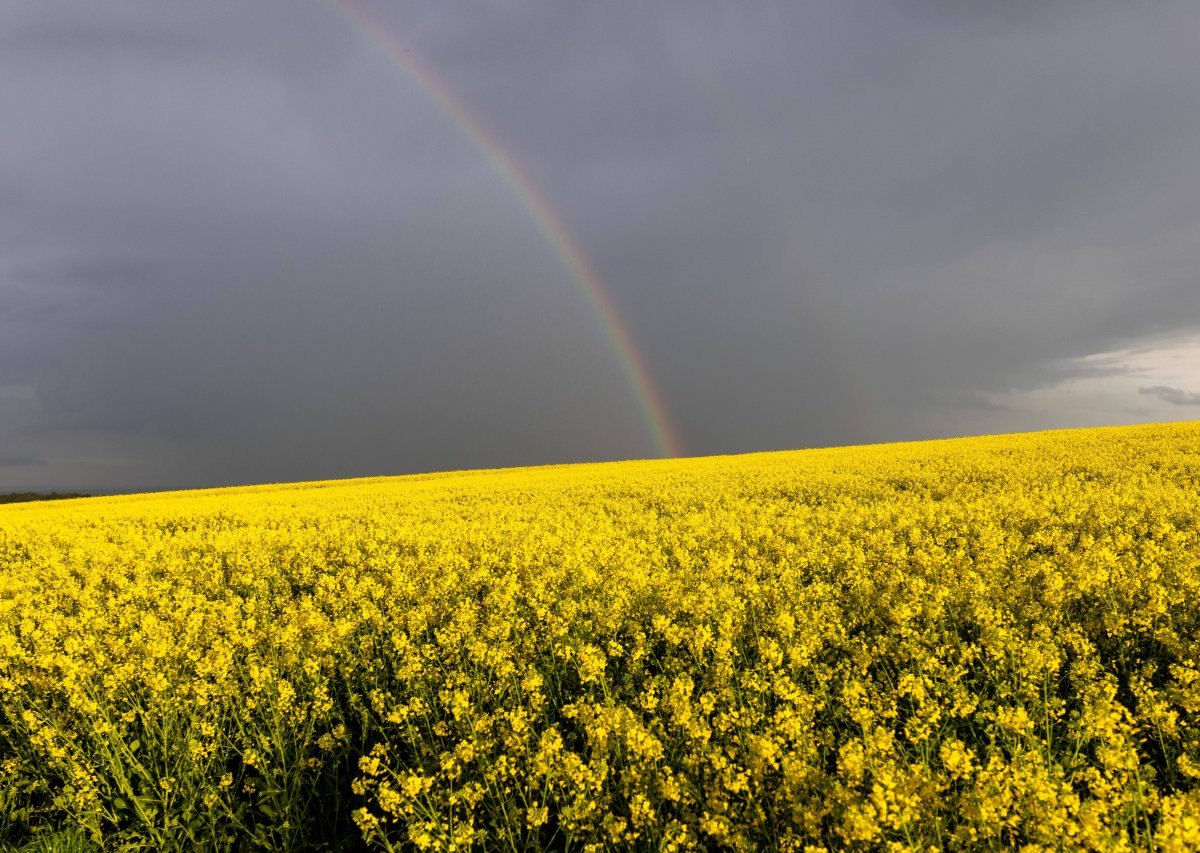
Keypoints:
pixel 970 644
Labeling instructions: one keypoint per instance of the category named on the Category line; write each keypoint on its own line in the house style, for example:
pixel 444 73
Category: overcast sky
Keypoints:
pixel 241 242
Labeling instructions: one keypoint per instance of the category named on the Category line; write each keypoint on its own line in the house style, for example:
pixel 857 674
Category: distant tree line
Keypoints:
pixel 22 497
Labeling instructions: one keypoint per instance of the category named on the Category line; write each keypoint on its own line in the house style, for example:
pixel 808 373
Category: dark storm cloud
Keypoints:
pixel 1174 396
pixel 240 242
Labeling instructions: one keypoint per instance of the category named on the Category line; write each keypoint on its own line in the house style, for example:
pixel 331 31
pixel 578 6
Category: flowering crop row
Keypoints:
pixel 975 644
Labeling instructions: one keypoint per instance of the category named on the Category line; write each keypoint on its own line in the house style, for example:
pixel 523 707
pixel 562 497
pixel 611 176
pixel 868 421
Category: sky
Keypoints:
pixel 261 242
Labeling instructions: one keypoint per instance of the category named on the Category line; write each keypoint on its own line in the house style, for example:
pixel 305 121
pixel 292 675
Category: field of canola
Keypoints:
pixel 966 644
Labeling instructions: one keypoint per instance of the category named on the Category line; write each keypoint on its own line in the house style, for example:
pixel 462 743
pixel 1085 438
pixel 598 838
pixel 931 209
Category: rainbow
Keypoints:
pixel 539 209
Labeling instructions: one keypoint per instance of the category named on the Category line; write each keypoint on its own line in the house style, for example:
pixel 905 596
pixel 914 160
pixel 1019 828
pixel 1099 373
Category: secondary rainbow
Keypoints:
pixel 539 209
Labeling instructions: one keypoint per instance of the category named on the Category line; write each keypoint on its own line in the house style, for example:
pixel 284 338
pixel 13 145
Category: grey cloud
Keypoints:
pixel 1174 396
pixel 103 37
pixel 243 242
pixel 101 272
pixel 985 17
pixel 18 459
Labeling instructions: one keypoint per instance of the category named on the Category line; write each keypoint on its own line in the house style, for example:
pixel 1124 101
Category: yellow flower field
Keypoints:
pixel 969 644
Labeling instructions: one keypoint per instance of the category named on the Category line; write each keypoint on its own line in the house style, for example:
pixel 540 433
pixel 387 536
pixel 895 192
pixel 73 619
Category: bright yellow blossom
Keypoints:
pixel 987 643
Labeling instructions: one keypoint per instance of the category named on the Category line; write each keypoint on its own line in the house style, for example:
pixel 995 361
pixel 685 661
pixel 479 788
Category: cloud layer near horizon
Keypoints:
pixel 239 243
